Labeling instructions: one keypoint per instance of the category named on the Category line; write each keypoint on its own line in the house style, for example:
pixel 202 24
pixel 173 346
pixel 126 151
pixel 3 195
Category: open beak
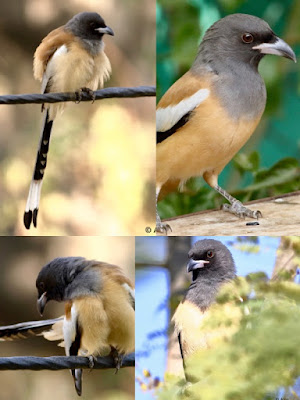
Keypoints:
pixel 279 48
pixel 41 302
pixel 196 264
pixel 107 30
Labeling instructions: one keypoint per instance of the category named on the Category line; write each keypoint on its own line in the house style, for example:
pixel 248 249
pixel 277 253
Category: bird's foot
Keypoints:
pixel 163 228
pixel 92 360
pixel 240 210
pixel 160 227
pixel 89 91
pixel 118 358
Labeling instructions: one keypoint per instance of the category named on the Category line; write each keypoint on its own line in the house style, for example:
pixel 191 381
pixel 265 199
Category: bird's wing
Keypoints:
pixel 56 332
pixel 175 108
pixel 116 274
pixel 131 293
pixel 110 313
pixel 55 40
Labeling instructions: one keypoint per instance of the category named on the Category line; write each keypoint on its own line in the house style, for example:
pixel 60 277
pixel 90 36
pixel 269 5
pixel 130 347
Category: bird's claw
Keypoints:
pixel 118 359
pixel 118 362
pixel 163 228
pixel 241 211
pixel 89 91
pixel 92 360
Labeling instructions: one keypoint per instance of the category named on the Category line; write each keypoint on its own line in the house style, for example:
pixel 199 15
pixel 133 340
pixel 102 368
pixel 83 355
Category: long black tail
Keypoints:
pixel 77 376
pixel 26 329
pixel 32 205
pixel 73 351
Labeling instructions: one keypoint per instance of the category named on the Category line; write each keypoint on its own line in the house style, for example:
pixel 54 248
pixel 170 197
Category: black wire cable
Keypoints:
pixel 56 363
pixel 111 92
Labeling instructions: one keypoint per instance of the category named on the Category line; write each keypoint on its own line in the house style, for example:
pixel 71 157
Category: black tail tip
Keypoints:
pixel 29 217
pixel 77 375
pixel 35 213
pixel 78 389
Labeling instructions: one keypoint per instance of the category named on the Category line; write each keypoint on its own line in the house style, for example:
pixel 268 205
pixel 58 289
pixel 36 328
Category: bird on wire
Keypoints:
pixel 99 315
pixel 70 58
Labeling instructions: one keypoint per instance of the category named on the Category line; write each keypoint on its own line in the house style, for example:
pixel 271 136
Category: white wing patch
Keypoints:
pixel 129 290
pixel 50 71
pixel 169 116
pixel 69 329
pixel 131 293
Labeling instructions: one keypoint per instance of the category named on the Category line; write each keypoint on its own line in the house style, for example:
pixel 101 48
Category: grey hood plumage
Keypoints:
pixel 67 278
pixel 212 265
pixel 224 54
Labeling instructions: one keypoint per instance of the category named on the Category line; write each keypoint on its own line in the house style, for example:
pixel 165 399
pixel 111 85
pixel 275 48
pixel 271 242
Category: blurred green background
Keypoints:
pixel 269 163
pixel 101 164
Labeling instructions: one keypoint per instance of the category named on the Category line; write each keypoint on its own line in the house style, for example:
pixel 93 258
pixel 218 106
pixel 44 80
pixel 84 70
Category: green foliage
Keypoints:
pixel 282 177
pixel 260 355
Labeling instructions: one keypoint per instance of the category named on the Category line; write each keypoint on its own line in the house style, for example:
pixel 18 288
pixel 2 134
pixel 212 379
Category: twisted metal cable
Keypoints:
pixel 111 92
pixel 56 363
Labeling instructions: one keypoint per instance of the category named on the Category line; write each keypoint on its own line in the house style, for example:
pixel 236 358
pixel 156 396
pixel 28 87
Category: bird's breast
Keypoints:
pixel 188 320
pixel 207 142
pixel 75 68
pixel 241 92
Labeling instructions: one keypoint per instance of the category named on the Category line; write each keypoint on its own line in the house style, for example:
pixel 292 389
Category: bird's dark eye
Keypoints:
pixel 92 24
pixel 210 254
pixel 247 38
pixel 191 254
pixel 42 286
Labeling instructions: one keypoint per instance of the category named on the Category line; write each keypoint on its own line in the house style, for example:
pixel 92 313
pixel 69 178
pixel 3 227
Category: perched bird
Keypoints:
pixel 71 58
pixel 213 109
pixel 99 308
pixel 212 265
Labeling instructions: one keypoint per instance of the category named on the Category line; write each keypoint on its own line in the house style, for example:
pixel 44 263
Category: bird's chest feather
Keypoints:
pixel 208 141
pixel 199 330
pixel 188 320
pixel 216 129
pixel 72 68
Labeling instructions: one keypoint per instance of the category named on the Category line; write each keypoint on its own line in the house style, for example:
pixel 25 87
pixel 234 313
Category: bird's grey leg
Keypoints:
pixel 117 357
pixel 160 227
pixel 236 207
pixel 92 360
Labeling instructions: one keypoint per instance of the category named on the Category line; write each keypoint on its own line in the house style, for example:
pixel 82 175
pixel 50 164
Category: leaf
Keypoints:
pixel 283 171
pixel 244 162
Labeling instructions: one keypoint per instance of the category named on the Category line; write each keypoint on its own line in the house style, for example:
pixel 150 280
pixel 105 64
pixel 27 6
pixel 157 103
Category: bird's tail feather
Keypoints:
pixel 77 376
pixel 32 205
pixel 26 329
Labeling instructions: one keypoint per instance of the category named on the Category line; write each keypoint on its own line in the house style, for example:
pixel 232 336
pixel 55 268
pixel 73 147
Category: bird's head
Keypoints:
pixel 58 280
pixel 244 38
pixel 212 259
pixel 88 26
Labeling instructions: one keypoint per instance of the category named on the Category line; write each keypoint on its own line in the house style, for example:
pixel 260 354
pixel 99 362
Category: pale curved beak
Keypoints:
pixel 107 30
pixel 41 302
pixel 196 264
pixel 278 48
